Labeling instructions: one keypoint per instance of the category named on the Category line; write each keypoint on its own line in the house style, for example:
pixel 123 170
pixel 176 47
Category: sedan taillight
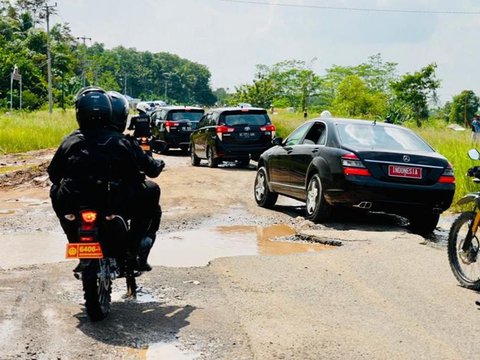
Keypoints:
pixel 447 177
pixel 352 165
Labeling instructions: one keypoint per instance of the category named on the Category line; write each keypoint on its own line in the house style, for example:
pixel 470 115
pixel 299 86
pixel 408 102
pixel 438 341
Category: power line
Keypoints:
pixel 437 12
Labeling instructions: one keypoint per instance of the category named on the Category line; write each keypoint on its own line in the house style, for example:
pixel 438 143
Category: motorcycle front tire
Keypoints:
pixel 456 238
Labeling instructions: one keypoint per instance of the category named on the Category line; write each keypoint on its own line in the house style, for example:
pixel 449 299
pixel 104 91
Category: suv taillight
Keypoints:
pixel 170 124
pixel 269 129
pixel 222 129
pixel 352 165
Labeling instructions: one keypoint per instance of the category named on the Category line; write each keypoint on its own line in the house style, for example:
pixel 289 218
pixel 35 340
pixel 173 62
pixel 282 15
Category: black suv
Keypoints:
pixel 174 124
pixel 230 134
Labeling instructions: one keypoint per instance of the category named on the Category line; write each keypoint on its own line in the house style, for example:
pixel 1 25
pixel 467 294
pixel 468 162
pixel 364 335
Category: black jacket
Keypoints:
pixel 141 125
pixel 97 167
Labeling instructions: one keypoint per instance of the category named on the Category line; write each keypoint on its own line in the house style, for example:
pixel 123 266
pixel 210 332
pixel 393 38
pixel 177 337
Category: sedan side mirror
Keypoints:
pixel 277 141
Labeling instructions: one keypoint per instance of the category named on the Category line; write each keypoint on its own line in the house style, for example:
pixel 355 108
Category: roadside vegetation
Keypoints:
pixel 25 131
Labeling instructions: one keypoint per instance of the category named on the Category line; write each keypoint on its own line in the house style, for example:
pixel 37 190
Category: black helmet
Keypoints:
pixel 119 111
pixel 93 108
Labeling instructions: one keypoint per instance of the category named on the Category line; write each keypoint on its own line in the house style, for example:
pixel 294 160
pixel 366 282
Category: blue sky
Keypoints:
pixel 231 37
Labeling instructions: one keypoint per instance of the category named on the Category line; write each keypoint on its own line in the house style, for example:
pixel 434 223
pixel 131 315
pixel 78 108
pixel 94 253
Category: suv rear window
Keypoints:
pixel 193 115
pixel 245 118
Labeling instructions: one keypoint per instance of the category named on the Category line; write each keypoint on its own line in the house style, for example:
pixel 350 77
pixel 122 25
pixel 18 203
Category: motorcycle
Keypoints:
pixel 463 239
pixel 101 249
pixel 146 144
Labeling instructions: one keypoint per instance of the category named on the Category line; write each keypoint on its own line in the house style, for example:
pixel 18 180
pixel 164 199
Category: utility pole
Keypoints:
pixel 49 57
pixel 84 39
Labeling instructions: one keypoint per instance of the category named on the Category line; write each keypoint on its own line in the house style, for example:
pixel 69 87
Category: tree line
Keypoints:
pixel 373 89
pixel 144 75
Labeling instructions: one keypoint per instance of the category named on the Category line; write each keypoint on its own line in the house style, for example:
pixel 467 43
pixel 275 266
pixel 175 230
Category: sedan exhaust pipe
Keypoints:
pixel 364 205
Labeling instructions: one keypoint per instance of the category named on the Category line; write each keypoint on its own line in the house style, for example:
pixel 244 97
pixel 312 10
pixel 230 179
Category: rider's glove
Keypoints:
pixel 161 163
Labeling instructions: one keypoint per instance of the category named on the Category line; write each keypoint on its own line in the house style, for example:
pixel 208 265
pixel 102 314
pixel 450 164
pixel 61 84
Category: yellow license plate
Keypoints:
pixel 84 251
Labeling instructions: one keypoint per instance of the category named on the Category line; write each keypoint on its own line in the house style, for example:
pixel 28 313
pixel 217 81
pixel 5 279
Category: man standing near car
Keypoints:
pixel 475 129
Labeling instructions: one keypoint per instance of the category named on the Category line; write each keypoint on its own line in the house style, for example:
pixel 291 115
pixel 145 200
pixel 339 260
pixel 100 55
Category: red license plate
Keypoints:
pixel 405 171
pixel 145 147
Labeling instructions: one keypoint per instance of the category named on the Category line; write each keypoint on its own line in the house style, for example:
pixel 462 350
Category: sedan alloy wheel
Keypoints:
pixel 317 207
pixel 263 196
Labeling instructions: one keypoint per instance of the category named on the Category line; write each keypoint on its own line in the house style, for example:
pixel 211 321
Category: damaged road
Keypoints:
pixel 384 293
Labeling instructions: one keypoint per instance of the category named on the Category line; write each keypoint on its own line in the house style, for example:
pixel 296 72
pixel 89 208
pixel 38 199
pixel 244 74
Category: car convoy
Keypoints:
pixel 327 163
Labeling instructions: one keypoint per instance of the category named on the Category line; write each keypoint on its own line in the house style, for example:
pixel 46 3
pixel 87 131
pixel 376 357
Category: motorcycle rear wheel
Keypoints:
pixel 97 287
pixel 463 263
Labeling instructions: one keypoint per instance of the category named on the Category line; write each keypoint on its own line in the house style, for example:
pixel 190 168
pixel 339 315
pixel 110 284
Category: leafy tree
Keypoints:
pixel 463 107
pixel 354 99
pixel 261 93
pixel 414 90
pixel 375 73
pixel 222 96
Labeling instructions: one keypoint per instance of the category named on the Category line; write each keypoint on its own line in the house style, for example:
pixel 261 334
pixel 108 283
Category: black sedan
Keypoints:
pixel 329 162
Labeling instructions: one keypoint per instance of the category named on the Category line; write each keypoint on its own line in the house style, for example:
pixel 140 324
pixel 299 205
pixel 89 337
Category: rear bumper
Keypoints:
pixel 400 199
pixel 174 140
pixel 233 152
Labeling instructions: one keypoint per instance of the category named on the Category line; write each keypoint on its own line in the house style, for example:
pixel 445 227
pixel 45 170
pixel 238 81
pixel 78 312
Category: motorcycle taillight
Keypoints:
pixel 89 217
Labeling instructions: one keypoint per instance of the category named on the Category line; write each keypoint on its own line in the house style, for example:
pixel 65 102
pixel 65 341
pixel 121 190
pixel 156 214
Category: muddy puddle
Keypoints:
pixel 198 247
pixel 20 249
pixel 175 249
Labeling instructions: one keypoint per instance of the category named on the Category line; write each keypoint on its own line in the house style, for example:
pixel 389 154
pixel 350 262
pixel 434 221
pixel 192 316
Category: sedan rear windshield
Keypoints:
pixel 244 118
pixel 370 136
pixel 193 115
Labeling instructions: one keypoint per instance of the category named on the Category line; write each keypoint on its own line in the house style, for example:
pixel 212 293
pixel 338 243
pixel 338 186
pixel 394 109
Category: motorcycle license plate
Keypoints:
pixel 84 251
pixel 405 171
pixel 145 147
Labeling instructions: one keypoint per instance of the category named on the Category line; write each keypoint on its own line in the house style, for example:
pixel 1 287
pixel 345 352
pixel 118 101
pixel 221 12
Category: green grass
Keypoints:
pixel 21 131
pixel 454 146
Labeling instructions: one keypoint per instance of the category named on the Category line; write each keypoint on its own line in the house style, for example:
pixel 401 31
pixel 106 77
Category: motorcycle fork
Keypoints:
pixel 472 231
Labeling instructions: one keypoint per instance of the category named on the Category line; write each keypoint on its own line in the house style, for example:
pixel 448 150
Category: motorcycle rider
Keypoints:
pixel 96 165
pixel 141 124
pixel 145 211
